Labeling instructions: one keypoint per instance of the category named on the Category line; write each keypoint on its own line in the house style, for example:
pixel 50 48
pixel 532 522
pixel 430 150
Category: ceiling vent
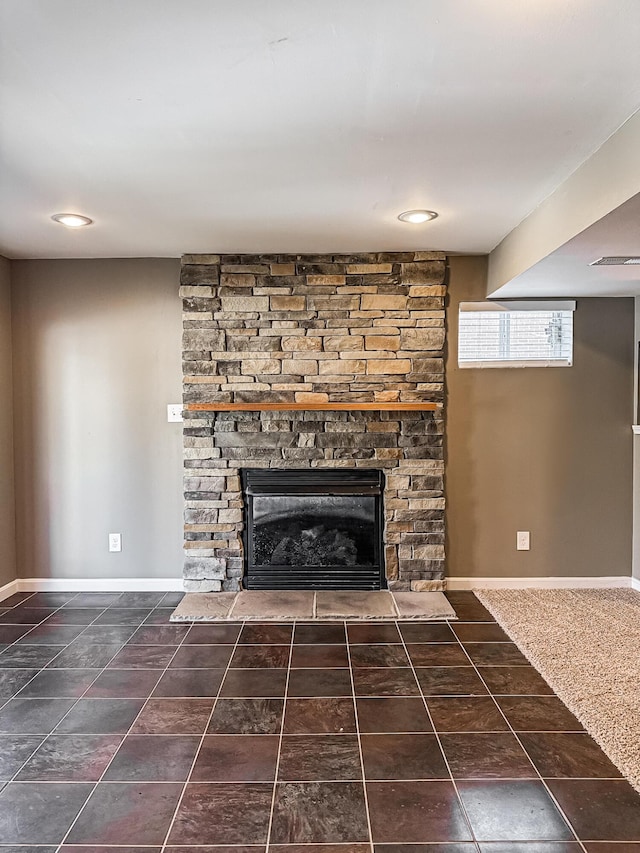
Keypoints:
pixel 617 261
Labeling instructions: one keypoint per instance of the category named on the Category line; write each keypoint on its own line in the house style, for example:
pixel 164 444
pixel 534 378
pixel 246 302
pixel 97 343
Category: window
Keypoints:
pixel 522 334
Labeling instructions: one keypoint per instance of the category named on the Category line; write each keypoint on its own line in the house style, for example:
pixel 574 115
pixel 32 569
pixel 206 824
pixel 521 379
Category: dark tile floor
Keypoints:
pixel 119 730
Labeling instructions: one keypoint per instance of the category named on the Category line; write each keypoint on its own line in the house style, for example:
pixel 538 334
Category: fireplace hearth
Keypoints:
pixel 313 529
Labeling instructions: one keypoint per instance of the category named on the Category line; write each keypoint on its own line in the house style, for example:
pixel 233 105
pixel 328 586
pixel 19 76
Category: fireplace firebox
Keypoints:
pixel 313 529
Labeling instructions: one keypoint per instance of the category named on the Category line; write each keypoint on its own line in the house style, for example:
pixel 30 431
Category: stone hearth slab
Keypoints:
pixel 349 604
pixel 423 605
pixel 284 606
pixel 205 607
pixel 280 604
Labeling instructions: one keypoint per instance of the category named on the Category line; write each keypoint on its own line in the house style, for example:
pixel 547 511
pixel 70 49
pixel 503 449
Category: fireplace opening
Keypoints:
pixel 308 529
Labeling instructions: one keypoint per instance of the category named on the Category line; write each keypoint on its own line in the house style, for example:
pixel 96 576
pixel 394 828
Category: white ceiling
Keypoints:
pixel 297 125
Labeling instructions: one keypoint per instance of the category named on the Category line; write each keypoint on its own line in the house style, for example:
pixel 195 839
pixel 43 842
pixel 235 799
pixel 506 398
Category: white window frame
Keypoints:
pixel 513 307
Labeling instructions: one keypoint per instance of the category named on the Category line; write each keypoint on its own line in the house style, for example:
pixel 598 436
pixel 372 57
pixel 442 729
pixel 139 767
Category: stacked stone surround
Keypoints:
pixel 365 328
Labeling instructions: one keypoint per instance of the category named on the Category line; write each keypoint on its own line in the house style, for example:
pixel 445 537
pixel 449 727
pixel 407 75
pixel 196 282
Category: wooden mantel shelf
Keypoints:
pixel 316 407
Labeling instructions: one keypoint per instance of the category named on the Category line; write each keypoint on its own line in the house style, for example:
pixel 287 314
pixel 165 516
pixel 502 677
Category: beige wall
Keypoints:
pixel 7 515
pixel 544 450
pixel 96 360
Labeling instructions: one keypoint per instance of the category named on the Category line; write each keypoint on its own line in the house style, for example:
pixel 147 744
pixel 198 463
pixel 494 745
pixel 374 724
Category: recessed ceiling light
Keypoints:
pixel 71 220
pixel 417 216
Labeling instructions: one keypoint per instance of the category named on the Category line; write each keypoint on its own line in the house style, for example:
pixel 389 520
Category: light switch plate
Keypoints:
pixel 174 413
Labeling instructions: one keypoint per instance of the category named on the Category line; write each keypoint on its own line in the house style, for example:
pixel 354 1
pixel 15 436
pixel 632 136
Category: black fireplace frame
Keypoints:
pixel 315 481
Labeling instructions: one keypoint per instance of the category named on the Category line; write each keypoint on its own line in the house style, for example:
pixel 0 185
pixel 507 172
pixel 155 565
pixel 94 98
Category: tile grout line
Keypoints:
pixel 126 735
pixel 538 775
pixel 204 734
pixel 357 722
pixel 284 712
pixel 437 736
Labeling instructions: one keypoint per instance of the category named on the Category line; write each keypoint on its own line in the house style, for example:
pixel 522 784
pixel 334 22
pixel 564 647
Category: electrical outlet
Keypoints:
pixel 115 542
pixel 174 413
pixel 523 540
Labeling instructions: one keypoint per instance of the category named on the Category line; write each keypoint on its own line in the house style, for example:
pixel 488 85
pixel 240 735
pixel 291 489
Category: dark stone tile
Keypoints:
pixel 51 599
pixel 373 632
pixel 274 657
pixel 538 713
pixel 247 717
pixel 101 716
pixel 599 810
pixel 534 847
pixel 39 812
pixel 75 616
pixel 123 616
pixel 123 684
pixel 190 682
pixel 258 633
pixel 319 716
pixel 29 848
pixel 426 632
pixel 171 599
pixel 25 615
pixel 466 714
pixel 390 714
pixel 16 598
pixel 320 655
pixel 319 848
pixel 319 682
pixel 208 635
pixel 403 756
pixel 450 681
pixel 173 717
pixel 10 633
pixel 480 632
pixel 501 810
pixel 514 680
pixel 234 848
pixel 159 635
pixel 317 758
pixel 559 754
pixel 13 680
pixel 59 684
pixel 109 634
pixel 87 655
pixel 495 755
pixel 385 682
pixel 201 657
pixel 33 716
pixel 223 814
pixel 159 616
pixel 437 654
pixel 378 655
pixel 94 599
pixel 332 633
pixel 153 758
pixel 457 847
pixel 51 635
pixel 14 751
pixel 26 657
pixel 74 848
pixel 70 758
pixel 496 654
pixel 468 608
pixel 608 847
pixel 237 758
pixel 143 657
pixel 140 599
pixel 319 812
pixel 411 812
pixel 241 683
pixel 126 813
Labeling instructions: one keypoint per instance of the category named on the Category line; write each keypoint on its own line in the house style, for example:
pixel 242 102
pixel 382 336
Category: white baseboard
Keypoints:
pixel 613 581
pixel 8 589
pixel 91 585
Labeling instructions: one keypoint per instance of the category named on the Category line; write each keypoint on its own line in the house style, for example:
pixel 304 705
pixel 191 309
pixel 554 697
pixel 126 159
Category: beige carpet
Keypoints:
pixel 586 643
pixel 287 605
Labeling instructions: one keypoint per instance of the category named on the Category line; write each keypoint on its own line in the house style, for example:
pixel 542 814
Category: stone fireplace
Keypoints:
pixel 353 345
